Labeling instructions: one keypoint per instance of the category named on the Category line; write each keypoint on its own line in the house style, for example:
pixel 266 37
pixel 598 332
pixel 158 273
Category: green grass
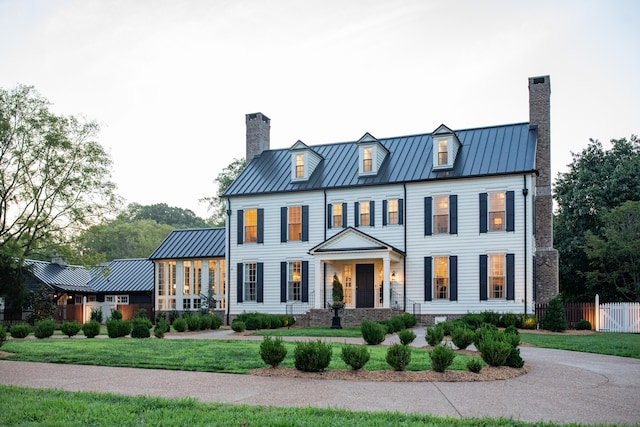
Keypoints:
pixel 228 356
pixel 24 406
pixel 315 331
pixel 609 343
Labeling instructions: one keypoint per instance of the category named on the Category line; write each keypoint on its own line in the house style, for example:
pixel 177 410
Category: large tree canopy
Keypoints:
pixel 223 181
pixel 164 214
pixel 55 179
pixel 598 181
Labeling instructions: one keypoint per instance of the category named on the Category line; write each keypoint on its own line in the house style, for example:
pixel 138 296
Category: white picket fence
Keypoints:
pixel 617 316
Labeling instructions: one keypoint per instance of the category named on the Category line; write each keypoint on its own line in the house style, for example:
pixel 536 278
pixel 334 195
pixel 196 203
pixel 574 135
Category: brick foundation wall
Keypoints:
pixel 351 317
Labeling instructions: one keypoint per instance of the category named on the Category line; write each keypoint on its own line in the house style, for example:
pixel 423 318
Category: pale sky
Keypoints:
pixel 170 82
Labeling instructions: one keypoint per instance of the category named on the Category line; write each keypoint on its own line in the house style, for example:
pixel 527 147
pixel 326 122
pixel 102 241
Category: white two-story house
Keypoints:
pixel 438 224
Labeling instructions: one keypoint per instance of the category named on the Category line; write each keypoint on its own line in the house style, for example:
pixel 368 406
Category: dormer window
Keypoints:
pixel 367 159
pixel 443 152
pixel 445 147
pixel 371 155
pixel 299 165
pixel 303 161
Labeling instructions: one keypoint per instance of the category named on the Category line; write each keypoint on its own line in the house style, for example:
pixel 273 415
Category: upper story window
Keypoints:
pixel 392 212
pixel 172 277
pixel 371 155
pixel 162 284
pixel 497 211
pixel 337 215
pixel 187 278
pixel 445 147
pixel 295 223
pixel 443 152
pixel 250 225
pixel 367 159
pixel 364 214
pixel 299 165
pixel 441 214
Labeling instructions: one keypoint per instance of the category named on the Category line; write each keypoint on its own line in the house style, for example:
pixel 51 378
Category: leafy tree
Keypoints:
pixel 615 253
pixel 223 181
pixel 43 305
pixel 164 214
pixel 597 181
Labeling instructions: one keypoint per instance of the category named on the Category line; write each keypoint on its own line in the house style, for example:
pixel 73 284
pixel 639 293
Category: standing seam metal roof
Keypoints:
pixel 192 243
pixel 497 150
pixel 123 275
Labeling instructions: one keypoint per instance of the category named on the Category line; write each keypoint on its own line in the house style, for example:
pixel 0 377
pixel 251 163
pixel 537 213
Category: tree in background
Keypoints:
pixel 597 181
pixel 223 180
pixel 164 214
pixel 615 253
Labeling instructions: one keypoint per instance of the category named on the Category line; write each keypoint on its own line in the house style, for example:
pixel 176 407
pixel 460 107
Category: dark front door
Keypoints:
pixel 364 285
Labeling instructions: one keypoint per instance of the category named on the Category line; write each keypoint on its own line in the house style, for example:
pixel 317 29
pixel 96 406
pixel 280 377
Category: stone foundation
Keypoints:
pixel 350 316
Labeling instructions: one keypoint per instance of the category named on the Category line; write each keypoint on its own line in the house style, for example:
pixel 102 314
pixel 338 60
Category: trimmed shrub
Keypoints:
pixel 583 325
pixel 554 318
pixel 474 320
pixel 398 356
pixel 511 329
pixel 91 329
pixel 312 356
pixel 447 327
pixel 529 322
pixel 161 328
pixel 116 314
pixel 395 324
pixel 272 351
pixel 193 322
pixel 3 335
pixel 96 314
pixel 493 351
pixel 475 365
pixel 173 315
pixel 441 357
pixel 355 356
pixel 409 320
pixel 70 329
pixel 487 329
pixel 508 319
pixel 117 328
pixel 238 326
pixel 514 360
pixel 140 328
pixel 205 321
pixel 435 335
pixel 372 332
pixel 216 322
pixel 20 330
pixel 44 328
pixel 491 317
pixel 141 314
pixel 180 324
pixel 462 337
pixel 406 336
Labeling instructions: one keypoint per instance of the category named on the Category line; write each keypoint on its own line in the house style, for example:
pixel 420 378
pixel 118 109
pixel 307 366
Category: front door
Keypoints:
pixel 364 286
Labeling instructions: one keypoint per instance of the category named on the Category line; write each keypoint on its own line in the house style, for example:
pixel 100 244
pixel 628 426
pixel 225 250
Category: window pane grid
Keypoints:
pixel 364 213
pixel 441 214
pixel 295 223
pixel 337 215
pixel 441 278
pixel 347 285
pixel 443 157
pixel 392 207
pixel 496 276
pixel 367 161
pixel 250 282
pixel 251 225
pixel 300 166
pixel 295 273
pixel 496 211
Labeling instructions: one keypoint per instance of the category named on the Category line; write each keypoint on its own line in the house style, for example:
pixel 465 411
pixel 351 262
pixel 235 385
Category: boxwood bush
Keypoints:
pixel 21 330
pixel 462 337
pixel 372 332
pixel 355 356
pixel 140 328
pixel 91 329
pixel 70 329
pixel 409 320
pixel 44 328
pixel 117 328
pixel 435 335
pixel 583 325
pixel 180 324
pixel 475 365
pixel 312 356
pixel 161 328
pixel 216 322
pixel 441 357
pixel 398 356
pixel 493 350
pixel 96 314
pixel 238 325
pixel 272 351
pixel 406 336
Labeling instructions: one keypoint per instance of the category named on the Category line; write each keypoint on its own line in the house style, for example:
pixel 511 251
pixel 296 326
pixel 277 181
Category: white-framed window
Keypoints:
pixel 186 288
pixel 497 220
pixel 440 214
pixel 109 298
pixel 367 159
pixel 212 276
pixel 365 215
pixel 337 214
pixel 92 298
pixel 347 277
pixel 172 304
pixel 250 282
pixel 443 152
pixel 172 277
pixel 496 276
pixel 162 278
pixel 440 277
pixel 118 299
pixel 78 299
pixel 250 225
pixel 197 303
pixel 295 222
pixel 294 291
pixel 300 166
pixel 186 304
pixel 197 277
pixel 392 212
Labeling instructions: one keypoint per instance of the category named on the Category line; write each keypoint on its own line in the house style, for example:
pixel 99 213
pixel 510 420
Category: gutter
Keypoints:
pixel 228 257
pixel 525 192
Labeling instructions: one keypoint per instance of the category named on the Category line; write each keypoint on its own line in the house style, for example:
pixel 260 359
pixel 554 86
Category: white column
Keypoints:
pixel 386 273
pixel 179 285
pixel 318 283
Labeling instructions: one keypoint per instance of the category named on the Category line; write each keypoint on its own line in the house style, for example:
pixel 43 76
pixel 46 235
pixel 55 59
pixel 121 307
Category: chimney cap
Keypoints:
pixel 254 116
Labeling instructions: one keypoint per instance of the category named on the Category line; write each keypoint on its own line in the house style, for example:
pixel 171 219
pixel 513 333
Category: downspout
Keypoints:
pixel 525 192
pixel 324 266
pixel 404 258
pixel 228 258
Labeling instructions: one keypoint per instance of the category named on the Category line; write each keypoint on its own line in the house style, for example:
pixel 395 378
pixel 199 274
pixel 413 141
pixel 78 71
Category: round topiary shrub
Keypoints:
pixel 355 356
pixel 394 324
pixel 409 320
pixel 20 330
pixel 180 324
pixel 406 336
pixel 238 326
pixel 441 357
pixel 140 329
pixel 583 325
pixel 475 365
pixel 462 337
pixel 70 329
pixel 161 328
pixel 493 350
pixel 373 333
pixel 91 328
pixel 508 319
pixel 44 328
pixel 117 328
pixel 491 317
pixel 312 356
pixel 272 351
pixel 398 356
pixel 554 318
pixel 216 322
pixel 193 322
pixel 435 335
pixel 529 322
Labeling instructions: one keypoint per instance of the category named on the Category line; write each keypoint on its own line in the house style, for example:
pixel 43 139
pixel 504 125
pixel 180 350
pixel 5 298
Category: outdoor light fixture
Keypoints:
pixel 393 277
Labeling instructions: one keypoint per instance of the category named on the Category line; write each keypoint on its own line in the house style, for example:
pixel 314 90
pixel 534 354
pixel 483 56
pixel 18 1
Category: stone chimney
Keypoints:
pixel 546 274
pixel 258 129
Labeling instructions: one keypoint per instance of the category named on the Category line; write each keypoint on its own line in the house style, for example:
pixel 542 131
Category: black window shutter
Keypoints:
pixel 329 215
pixel 260 238
pixel 510 206
pixel 384 212
pixel 344 215
pixel 483 212
pixel 511 277
pixel 400 211
pixel 283 224
pixel 483 277
pixel 427 278
pixel 453 278
pixel 305 223
pixel 356 213
pixel 453 214
pixel 260 282
pixel 305 281
pixel 372 213
pixel 283 281
pixel 240 226
pixel 428 216
pixel 240 288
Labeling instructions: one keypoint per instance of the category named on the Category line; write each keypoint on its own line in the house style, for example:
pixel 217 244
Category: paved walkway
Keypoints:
pixel 561 386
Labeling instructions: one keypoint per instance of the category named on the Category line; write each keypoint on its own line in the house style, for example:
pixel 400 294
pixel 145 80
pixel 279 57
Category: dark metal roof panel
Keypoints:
pixel 193 242
pixel 67 278
pixel 123 275
pixel 496 150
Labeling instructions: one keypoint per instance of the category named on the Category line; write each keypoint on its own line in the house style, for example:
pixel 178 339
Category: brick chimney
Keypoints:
pixel 546 273
pixel 258 130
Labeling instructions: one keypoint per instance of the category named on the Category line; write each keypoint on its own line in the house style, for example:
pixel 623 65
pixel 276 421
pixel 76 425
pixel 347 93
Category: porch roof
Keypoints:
pixel 353 240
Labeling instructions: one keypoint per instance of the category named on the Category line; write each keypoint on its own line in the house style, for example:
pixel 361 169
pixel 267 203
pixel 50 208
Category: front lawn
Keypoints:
pixel 312 331
pixel 609 343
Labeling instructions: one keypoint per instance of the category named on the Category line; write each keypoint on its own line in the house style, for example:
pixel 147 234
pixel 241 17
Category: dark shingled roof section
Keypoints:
pixel 67 278
pixel 497 150
pixel 123 275
pixel 192 243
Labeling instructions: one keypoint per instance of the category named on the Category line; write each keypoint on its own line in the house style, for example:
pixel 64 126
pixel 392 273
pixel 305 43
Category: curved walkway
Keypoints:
pixel 562 387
